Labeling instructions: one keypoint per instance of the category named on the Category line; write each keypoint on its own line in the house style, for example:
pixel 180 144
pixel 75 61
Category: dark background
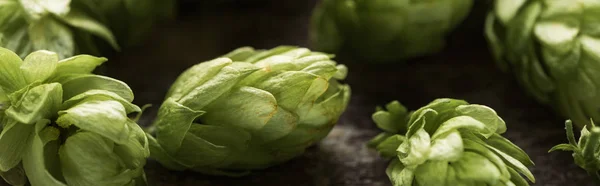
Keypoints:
pixel 465 70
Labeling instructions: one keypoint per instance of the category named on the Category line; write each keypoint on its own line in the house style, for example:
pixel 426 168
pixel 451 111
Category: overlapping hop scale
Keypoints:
pixel 249 109
pixel 448 142
pixel 63 125
pixel 388 30
pixel 553 48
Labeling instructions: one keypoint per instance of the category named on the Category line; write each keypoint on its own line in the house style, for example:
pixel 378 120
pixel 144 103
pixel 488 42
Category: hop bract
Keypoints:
pixel 62 125
pixel 553 48
pixel 448 142
pixel 249 109
pixel 386 30
pixel 71 27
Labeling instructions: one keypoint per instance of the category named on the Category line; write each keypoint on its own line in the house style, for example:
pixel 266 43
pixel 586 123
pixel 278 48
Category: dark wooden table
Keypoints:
pixel 464 70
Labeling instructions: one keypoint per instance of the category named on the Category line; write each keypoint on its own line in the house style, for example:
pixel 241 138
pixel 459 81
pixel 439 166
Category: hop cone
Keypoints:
pixel 249 109
pixel 62 125
pixel 72 27
pixel 552 48
pixel 386 30
pixel 448 142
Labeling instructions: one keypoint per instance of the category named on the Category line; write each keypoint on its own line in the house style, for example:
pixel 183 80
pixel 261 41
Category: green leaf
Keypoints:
pixel 105 118
pixel 80 64
pixel 88 159
pixel 39 65
pixel 432 173
pixel 11 78
pixel 240 54
pixel 195 76
pixel 40 102
pixel 562 65
pixel 563 147
pixel 280 125
pixel 34 161
pixel 49 34
pixel 100 95
pixel 394 120
pixel 477 169
pixel 207 145
pixel 199 152
pixel 557 36
pixel 211 88
pixel 325 69
pixel 172 124
pixel 420 121
pixel 506 146
pixel 378 139
pixel 486 115
pixel 514 163
pixel 159 154
pixel 136 150
pixel 520 28
pixel 506 10
pixel 13 142
pixel 268 53
pixel 447 147
pixel 416 149
pixel 472 146
pixel 388 147
pixel 253 108
pixel 290 87
pixel 445 109
pixel 78 84
pixel 460 122
pixel 516 178
pixel 398 174
pixel 15 176
pixel 341 73
pixel 82 21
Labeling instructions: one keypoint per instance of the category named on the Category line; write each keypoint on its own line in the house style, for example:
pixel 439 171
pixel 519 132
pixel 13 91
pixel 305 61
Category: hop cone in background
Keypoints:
pixel 62 125
pixel 448 142
pixel 132 20
pixel 249 109
pixel 72 27
pixel 553 48
pixel 586 151
pixel 386 30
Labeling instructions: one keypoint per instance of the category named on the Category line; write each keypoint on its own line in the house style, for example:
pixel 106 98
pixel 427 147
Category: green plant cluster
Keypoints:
pixel 252 109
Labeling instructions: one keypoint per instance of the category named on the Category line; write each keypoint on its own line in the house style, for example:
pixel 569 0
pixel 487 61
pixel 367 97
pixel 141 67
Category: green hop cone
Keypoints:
pixel 72 27
pixel 386 30
pixel 63 125
pixel 249 109
pixel 448 142
pixel 553 49
pixel 586 150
